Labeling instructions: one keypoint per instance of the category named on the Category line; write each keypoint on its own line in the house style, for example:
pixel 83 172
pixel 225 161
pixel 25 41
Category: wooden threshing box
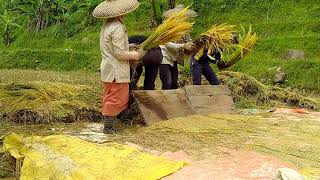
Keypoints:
pixel 160 105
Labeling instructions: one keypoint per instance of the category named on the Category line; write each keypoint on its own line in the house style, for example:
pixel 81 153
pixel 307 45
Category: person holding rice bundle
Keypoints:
pixel 150 61
pixel 200 64
pixel 172 52
pixel 115 68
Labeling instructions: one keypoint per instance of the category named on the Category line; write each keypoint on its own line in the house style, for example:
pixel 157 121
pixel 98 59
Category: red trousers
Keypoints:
pixel 115 98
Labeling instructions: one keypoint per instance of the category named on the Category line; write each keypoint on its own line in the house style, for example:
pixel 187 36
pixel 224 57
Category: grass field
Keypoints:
pixel 280 25
pixel 50 57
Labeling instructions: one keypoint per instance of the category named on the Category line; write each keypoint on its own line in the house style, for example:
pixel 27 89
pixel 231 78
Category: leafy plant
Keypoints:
pixel 7 23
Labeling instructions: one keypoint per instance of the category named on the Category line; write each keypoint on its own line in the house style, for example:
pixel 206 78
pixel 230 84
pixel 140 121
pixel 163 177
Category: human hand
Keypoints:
pixel 189 46
pixel 134 55
pixel 137 54
pixel 221 65
pixel 133 46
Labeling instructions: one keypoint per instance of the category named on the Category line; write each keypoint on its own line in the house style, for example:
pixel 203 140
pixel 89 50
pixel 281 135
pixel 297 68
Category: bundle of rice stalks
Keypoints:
pixel 172 29
pixel 246 44
pixel 44 102
pixel 218 37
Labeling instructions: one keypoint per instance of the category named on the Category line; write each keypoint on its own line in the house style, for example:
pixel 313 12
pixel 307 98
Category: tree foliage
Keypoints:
pixel 7 23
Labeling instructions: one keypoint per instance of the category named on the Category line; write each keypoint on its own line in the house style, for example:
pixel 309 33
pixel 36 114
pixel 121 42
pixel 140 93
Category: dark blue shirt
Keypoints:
pixel 204 59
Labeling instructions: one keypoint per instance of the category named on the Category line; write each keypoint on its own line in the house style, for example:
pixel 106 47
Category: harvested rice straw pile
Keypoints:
pixel 172 29
pixel 246 44
pixel 218 37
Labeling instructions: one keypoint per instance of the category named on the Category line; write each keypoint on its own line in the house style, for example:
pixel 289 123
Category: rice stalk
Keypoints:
pixel 246 44
pixel 217 38
pixel 44 102
pixel 172 29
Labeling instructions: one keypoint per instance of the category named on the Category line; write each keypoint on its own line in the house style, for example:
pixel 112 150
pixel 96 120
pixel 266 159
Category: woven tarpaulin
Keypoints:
pixel 65 157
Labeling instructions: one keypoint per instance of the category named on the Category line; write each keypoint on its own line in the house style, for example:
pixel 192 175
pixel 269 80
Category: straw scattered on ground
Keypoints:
pixel 205 137
pixel 247 90
pixel 45 102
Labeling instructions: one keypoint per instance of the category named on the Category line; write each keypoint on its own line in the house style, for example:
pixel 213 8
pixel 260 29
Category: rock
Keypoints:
pixel 279 70
pixel 287 174
pixel 295 54
pixel 280 78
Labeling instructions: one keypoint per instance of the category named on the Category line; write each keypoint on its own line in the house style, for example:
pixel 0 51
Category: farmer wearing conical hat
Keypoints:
pixel 172 52
pixel 115 68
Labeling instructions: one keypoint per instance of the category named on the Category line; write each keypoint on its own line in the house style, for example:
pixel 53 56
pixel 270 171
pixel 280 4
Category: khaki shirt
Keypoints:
pixel 114 45
pixel 170 53
pixel 174 51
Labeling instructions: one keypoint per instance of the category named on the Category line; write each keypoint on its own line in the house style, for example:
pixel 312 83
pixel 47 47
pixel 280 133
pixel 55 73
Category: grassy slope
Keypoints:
pixel 281 25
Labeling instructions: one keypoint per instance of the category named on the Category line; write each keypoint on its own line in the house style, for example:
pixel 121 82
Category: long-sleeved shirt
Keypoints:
pixel 206 58
pixel 114 47
pixel 171 53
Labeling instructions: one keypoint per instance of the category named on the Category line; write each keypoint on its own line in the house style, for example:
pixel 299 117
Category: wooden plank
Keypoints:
pixel 157 106
pixel 211 110
pixel 220 100
pixel 207 90
pixel 210 99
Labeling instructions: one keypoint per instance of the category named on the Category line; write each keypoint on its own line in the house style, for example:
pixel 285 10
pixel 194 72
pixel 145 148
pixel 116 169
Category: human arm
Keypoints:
pixel 221 64
pixel 119 49
pixel 178 46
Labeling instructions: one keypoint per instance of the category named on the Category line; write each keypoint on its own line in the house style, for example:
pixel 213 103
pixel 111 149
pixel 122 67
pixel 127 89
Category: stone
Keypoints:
pixel 280 78
pixel 287 174
pixel 295 54
pixel 279 70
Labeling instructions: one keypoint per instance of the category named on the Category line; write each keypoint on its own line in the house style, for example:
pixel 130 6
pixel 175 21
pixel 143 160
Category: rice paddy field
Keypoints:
pixel 49 84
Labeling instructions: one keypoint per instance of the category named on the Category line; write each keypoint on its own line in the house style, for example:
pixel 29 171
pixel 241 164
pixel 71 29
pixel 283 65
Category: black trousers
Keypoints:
pixel 151 73
pixel 169 76
pixel 203 69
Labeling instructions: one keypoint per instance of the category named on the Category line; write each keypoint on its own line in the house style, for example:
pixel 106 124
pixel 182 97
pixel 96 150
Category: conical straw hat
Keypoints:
pixel 114 8
pixel 180 7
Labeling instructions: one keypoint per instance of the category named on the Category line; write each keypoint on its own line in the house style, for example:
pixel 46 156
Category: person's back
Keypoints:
pixel 151 61
pixel 111 63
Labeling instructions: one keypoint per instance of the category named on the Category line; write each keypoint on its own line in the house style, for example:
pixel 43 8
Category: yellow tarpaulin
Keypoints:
pixel 65 157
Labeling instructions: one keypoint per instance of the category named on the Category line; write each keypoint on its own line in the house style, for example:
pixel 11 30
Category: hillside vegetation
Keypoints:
pixel 68 38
